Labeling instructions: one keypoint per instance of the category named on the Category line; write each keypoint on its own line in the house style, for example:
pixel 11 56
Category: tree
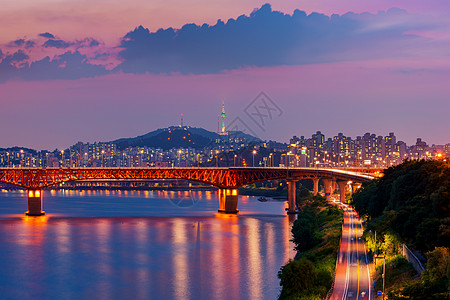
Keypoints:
pixel 304 230
pixel 411 199
pixel 296 276
pixel 438 266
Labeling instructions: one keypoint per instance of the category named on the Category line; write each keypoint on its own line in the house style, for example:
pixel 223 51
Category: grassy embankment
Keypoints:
pixel 316 235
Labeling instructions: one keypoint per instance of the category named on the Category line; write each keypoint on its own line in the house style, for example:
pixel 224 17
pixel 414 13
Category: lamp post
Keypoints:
pixel 254 152
pixel 234 161
pixel 288 158
pixel 103 152
pixel 384 269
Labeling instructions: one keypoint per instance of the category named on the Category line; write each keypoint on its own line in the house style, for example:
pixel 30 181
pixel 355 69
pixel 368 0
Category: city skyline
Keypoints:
pixel 381 71
pixel 185 146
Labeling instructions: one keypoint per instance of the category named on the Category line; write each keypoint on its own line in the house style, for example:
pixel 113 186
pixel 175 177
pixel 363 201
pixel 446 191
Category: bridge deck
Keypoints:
pixel 223 177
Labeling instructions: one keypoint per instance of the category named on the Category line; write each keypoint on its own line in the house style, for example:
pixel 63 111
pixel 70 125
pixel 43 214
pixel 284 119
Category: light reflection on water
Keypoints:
pixel 138 245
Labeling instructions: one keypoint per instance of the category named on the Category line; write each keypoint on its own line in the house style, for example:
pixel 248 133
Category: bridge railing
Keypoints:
pixel 412 258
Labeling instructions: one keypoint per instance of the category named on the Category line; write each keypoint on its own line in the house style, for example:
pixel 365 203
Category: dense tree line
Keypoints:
pixel 411 204
pixel 316 234
pixel 412 200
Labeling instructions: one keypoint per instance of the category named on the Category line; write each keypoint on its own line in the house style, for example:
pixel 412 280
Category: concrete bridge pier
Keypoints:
pixel 228 200
pixel 316 185
pixel 342 186
pixel 327 185
pixel 35 203
pixel 292 208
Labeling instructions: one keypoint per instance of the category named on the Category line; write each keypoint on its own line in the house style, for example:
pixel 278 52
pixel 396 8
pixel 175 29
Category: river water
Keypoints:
pixel 141 245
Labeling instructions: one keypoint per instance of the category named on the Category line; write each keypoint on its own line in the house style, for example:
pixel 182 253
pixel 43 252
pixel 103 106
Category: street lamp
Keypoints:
pixel 254 152
pixel 235 160
pixel 179 158
pixel 217 158
pixel 103 152
pixel 384 269
pixel 288 158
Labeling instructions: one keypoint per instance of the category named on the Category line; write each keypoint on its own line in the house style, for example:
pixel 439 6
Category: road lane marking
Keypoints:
pixel 347 270
pixel 357 260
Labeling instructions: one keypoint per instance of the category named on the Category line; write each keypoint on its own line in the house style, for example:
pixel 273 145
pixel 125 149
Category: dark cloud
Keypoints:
pixel 10 64
pixel 19 56
pixel 29 44
pixel 87 42
pixel 47 35
pixel 22 43
pixel 60 44
pixel 19 42
pixel 7 71
pixel 16 57
pixel 265 38
pixel 94 43
pixel 70 65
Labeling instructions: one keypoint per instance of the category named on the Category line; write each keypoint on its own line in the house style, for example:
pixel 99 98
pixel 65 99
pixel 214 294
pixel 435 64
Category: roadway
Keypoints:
pixel 352 280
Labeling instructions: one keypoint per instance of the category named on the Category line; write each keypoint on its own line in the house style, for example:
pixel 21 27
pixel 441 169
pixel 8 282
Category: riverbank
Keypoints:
pixel 316 235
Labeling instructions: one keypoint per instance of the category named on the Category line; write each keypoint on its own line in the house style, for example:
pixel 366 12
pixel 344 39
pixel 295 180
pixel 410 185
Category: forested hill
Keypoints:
pixel 413 200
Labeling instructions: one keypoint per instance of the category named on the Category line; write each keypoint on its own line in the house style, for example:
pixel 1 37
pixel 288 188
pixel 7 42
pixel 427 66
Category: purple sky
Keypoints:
pixel 382 71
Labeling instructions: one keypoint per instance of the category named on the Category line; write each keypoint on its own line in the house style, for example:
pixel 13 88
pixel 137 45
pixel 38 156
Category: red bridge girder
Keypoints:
pixel 38 178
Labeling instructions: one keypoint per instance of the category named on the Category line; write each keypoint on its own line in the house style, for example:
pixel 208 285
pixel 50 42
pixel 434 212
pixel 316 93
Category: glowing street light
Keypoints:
pixel 254 152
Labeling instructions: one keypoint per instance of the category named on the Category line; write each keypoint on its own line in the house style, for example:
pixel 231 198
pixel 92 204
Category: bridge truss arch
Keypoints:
pixel 226 179
pixel 39 178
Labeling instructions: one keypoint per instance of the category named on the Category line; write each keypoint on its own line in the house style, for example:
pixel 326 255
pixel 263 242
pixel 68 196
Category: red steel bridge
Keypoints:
pixel 227 179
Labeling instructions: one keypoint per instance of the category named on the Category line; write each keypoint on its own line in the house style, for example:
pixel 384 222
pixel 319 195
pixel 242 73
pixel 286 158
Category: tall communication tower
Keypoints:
pixel 222 117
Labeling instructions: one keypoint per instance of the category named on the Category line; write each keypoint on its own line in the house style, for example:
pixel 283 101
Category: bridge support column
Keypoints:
pixel 292 209
pixel 342 186
pixel 327 185
pixel 316 185
pixel 35 203
pixel 228 200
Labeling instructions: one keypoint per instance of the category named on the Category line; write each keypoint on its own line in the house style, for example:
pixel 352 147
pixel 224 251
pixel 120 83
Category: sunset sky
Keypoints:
pixel 79 70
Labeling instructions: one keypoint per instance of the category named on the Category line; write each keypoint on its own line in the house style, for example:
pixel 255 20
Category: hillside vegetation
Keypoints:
pixel 410 204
